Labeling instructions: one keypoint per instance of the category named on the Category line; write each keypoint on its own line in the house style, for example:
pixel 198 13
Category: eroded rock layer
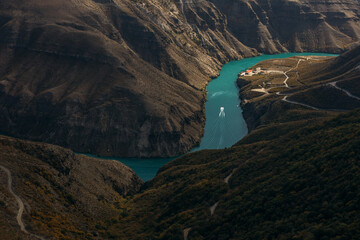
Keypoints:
pixel 126 78
pixel 117 78
pixel 273 26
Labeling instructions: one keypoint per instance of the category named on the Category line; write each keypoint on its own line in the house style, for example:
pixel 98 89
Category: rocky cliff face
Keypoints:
pixel 114 78
pixel 126 78
pixel 273 26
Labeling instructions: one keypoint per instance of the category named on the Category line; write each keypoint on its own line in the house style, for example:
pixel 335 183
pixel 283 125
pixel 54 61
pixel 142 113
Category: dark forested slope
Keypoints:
pixel 301 183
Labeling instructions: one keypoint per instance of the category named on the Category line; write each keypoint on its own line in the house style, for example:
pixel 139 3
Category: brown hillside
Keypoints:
pixel 65 195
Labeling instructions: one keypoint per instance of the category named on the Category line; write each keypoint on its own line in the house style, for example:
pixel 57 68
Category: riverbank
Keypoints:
pixel 290 159
pixel 278 81
pixel 297 158
pixel 219 131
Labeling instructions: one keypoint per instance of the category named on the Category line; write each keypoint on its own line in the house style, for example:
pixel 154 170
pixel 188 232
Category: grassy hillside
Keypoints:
pixel 298 87
pixel 300 183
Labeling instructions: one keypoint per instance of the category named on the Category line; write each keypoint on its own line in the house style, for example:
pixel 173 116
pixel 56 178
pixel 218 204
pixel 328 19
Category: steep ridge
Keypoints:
pixel 114 78
pixel 274 26
pixel 64 194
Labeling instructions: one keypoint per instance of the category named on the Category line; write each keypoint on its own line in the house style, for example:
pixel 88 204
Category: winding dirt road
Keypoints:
pixel 333 84
pixel 186 233
pixel 18 200
pixel 301 104
pixel 226 180
pixel 20 204
pixel 285 73
pixel 286 85
pixel 213 208
pixel 266 90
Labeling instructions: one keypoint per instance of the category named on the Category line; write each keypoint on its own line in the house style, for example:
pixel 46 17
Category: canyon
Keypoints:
pixel 295 174
pixel 127 78
pixel 47 187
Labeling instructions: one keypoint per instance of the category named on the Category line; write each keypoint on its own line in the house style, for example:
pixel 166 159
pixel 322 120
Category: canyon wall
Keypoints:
pixel 127 78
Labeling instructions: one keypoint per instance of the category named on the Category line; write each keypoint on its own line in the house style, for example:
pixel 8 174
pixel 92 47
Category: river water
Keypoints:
pixel 225 124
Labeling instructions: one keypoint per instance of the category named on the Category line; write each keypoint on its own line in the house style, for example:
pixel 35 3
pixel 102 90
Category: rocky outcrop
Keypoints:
pixel 273 26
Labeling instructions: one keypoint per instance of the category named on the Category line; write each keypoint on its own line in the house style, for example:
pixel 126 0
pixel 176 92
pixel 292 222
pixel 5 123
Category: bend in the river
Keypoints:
pixel 225 124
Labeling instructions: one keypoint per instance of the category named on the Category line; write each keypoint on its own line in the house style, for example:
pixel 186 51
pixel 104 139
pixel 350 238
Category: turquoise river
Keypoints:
pixel 223 128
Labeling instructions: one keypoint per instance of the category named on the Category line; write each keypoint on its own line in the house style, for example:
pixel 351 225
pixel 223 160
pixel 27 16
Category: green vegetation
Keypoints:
pixel 300 183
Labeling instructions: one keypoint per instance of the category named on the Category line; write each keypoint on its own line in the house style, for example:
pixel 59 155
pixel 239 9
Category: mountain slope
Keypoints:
pixel 273 26
pixel 65 195
pixel 301 184
pixel 327 85
pixel 126 73
pixel 295 175
pixel 279 182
